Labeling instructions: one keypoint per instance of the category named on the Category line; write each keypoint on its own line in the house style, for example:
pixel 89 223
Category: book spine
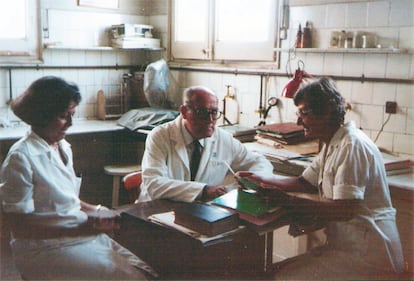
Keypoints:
pixel 202 227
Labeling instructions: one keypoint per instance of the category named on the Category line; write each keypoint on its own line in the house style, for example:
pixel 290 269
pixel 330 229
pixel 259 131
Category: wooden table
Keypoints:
pixel 244 255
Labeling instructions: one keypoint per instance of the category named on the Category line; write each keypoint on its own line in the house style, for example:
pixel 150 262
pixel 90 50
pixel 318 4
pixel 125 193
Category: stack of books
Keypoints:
pixel 290 161
pixel 242 133
pixel 280 133
pixel 395 165
pixel 206 219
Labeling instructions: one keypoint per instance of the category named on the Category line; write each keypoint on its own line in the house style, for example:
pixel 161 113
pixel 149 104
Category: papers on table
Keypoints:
pixel 167 219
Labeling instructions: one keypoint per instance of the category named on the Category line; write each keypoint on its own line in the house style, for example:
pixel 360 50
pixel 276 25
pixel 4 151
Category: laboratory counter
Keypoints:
pixel 79 127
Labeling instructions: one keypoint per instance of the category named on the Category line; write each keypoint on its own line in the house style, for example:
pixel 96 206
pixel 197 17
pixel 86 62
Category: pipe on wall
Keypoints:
pixel 236 71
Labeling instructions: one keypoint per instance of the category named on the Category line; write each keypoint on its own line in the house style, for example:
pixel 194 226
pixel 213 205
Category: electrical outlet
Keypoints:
pixel 391 107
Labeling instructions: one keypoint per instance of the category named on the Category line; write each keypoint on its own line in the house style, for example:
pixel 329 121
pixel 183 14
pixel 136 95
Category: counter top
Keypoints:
pixel 79 127
pixel 404 181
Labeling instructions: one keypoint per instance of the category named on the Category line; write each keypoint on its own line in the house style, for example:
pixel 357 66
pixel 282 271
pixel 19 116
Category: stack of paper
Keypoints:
pixel 395 165
pixel 242 133
pixel 167 220
pixel 283 133
pixel 283 160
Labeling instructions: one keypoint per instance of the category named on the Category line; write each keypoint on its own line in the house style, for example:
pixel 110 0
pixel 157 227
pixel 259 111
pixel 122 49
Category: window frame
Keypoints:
pixel 27 50
pixel 207 53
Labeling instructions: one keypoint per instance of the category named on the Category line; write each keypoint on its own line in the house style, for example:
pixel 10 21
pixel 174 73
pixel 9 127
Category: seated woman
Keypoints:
pixel 52 237
pixel 349 175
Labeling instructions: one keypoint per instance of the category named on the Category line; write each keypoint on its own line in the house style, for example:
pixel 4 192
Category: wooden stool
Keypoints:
pixel 118 172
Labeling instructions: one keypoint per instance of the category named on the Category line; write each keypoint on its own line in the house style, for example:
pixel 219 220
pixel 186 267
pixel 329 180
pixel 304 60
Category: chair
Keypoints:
pixel 132 184
pixel 118 172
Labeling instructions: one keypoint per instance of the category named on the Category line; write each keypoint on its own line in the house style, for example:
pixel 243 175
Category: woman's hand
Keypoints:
pixel 260 180
pixel 265 186
pixel 103 219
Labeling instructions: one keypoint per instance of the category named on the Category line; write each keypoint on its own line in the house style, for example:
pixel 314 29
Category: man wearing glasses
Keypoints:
pixel 185 159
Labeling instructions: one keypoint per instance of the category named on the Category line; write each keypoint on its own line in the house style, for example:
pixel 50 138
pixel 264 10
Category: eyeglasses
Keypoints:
pixel 203 113
pixel 302 114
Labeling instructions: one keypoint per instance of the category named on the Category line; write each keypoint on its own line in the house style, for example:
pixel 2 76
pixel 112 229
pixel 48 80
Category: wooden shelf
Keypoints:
pixel 348 50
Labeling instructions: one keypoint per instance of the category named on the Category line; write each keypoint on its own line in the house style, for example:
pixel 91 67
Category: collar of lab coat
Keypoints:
pixel 188 138
pixel 177 136
pixel 38 146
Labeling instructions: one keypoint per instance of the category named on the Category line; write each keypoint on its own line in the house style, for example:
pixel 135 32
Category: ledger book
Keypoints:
pixel 206 219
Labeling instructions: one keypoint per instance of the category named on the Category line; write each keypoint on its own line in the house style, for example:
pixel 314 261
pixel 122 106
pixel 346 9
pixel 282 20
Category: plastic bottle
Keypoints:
pixel 299 37
pixel 307 36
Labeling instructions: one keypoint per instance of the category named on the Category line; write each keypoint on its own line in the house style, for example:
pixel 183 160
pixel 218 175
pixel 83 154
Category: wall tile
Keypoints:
pixel 345 88
pixel 353 65
pixel 333 64
pixel 398 66
pixel 385 140
pixel 403 143
pixel 367 122
pixel 378 13
pixel 410 121
pixel 406 38
pixel 356 15
pixel 335 15
pixel 375 65
pixel 402 13
pixel 383 92
pixel 405 95
pixel 314 64
pixel 362 92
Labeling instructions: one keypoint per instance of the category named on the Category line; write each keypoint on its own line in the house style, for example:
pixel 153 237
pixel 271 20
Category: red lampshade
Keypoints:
pixel 293 85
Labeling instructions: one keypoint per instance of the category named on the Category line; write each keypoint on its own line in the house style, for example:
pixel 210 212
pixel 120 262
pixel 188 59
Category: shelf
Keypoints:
pixel 98 48
pixel 349 51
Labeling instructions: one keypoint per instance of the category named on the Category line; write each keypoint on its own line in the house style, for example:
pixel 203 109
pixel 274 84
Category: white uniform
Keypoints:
pixel 369 244
pixel 166 165
pixel 39 184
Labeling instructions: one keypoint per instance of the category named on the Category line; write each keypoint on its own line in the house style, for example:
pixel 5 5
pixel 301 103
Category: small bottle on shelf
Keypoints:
pixel 299 37
pixel 306 36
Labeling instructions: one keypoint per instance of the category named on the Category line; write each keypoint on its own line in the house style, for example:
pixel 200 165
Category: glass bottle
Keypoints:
pixel 299 37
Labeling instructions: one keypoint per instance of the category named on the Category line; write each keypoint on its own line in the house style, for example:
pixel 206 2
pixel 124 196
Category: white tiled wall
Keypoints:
pixel 391 21
pixel 73 26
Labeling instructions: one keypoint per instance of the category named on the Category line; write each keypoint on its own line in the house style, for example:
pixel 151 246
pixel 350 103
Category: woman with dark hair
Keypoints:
pixel 52 236
pixel 348 178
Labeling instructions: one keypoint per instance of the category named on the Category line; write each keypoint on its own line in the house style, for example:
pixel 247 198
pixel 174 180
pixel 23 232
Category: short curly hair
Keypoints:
pixel 44 100
pixel 322 97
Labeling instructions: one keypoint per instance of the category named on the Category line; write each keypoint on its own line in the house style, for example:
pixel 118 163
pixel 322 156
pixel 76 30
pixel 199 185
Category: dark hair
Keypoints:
pixel 44 100
pixel 322 97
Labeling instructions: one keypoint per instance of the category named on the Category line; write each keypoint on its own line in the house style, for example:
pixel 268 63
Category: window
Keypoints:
pixel 19 31
pixel 216 30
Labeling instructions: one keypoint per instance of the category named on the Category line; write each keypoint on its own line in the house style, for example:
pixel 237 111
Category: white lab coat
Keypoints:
pixel 367 245
pixel 166 164
pixel 37 183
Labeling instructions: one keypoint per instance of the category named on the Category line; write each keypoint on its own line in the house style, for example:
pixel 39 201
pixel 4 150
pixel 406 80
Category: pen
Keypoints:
pixel 245 183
